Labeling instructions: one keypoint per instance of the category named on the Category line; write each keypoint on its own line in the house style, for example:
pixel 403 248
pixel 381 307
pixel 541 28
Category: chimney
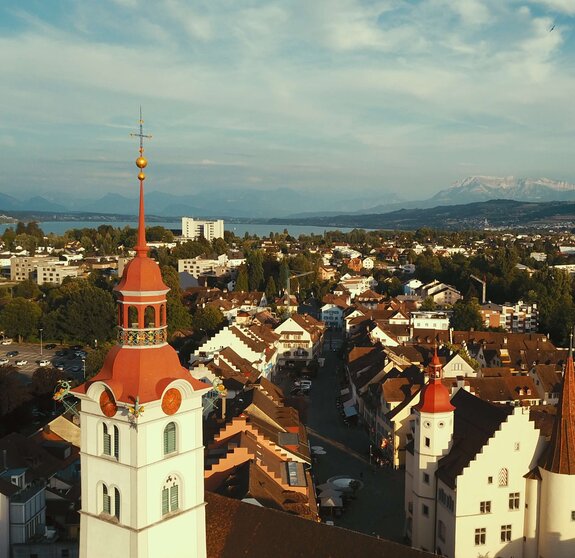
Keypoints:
pixel 451 336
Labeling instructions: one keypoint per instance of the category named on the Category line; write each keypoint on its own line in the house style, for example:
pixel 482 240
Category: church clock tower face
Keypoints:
pixel 107 404
pixel 171 401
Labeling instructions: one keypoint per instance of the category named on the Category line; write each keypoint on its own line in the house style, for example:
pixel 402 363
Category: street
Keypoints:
pixel 378 507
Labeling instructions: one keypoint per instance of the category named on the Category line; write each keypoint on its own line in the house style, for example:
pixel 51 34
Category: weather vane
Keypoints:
pixel 141 135
pixel 141 161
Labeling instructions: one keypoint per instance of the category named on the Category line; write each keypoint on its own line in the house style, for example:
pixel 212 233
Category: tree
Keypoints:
pixel 209 319
pixel 467 315
pixel 44 380
pixel 284 274
pixel 84 313
pixel 177 314
pixel 271 289
pixel 13 392
pixel 254 262
pixel 27 289
pixel 20 318
pixel 428 304
pixel 242 282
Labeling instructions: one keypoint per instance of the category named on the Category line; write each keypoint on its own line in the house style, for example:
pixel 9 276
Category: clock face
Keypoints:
pixel 107 403
pixel 171 401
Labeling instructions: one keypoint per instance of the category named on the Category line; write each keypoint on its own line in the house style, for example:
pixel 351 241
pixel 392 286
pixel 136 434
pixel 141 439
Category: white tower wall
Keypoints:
pixel 557 526
pixel 139 472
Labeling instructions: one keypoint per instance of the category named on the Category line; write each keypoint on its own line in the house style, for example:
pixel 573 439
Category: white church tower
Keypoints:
pixel 432 437
pixel 557 470
pixel 141 417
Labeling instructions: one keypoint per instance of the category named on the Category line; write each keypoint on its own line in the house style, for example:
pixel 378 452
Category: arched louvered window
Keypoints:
pixel 170 438
pixel 171 495
pixel 106 440
pixel 106 500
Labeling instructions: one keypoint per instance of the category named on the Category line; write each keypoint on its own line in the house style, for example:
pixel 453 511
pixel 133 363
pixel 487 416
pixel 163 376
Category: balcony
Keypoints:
pixel 145 337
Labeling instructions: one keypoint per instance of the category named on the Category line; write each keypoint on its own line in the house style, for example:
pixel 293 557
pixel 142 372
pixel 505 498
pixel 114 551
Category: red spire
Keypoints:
pixel 434 396
pixel 141 245
pixel 560 457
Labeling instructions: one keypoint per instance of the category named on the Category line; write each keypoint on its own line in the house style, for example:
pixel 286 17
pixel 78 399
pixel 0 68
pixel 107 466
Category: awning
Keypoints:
pixel 350 411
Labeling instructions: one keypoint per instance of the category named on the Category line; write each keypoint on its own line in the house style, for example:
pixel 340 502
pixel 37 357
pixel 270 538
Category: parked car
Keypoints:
pixel 50 346
pixel 21 362
pixel 12 353
pixel 4 361
pixel 44 363
pixel 7 341
pixel 303 384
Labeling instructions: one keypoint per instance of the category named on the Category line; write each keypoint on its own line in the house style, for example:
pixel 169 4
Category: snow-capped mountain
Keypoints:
pixel 483 188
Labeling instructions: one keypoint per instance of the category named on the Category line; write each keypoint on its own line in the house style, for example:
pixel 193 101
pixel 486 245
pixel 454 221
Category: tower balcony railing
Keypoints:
pixel 142 337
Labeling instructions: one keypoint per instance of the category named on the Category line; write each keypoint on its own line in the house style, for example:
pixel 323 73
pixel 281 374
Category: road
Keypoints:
pixel 378 507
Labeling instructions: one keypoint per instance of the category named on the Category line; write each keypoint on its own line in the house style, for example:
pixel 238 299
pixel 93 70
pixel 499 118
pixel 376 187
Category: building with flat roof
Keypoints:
pixel 195 228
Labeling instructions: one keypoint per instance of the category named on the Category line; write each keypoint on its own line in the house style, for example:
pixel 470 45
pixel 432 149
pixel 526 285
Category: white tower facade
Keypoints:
pixel 432 438
pixel 142 465
pixel 557 507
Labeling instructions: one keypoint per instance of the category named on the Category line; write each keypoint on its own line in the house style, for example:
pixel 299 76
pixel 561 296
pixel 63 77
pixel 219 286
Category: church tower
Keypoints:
pixel 432 437
pixel 557 469
pixel 141 417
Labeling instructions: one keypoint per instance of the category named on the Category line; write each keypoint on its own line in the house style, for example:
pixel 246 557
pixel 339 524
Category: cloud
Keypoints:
pixel 339 91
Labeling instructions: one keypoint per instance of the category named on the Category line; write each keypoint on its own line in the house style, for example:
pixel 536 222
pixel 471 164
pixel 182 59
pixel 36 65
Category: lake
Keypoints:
pixel 239 229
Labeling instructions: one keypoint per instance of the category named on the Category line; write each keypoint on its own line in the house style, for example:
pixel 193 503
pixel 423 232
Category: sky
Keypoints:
pixel 330 95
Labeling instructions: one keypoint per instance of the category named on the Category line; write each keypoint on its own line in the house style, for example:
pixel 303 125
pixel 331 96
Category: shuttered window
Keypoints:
pixel 116 442
pixel 106 500
pixel 174 498
pixel 165 501
pixel 169 438
pixel 107 440
pixel 117 503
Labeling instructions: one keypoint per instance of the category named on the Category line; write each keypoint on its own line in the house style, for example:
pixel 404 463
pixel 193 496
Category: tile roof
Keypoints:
pixel 560 455
pixel 235 529
pixel 475 421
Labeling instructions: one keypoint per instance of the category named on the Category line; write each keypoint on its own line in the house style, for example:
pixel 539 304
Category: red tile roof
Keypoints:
pixel 560 456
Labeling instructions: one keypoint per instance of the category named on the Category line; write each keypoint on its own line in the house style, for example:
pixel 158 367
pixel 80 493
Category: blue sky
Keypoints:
pixel 404 96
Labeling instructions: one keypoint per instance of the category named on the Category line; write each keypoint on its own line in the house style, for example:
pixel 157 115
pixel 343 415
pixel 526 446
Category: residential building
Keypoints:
pixel 24 267
pixel 482 480
pixel 192 229
pixel 429 320
pixel 301 339
pixel 55 274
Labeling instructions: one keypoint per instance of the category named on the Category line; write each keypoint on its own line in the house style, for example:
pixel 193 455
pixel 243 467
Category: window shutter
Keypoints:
pixel 170 438
pixel 117 503
pixel 107 441
pixel 165 501
pixel 174 499
pixel 116 442
pixel 106 504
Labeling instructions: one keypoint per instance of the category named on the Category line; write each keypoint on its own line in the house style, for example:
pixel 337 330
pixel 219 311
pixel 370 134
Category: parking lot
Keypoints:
pixel 30 352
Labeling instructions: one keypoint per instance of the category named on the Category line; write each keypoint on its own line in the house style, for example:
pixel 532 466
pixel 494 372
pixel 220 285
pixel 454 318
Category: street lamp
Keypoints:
pixel 41 330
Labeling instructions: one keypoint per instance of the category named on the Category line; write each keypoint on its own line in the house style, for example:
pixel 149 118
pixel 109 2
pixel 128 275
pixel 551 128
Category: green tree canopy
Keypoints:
pixel 242 282
pixel 467 315
pixel 20 318
pixel 209 320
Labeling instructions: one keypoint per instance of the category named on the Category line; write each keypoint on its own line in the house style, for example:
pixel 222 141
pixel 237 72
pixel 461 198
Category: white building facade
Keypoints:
pixel 192 229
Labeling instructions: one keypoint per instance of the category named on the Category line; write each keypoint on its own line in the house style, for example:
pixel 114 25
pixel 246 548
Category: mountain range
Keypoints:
pixel 288 202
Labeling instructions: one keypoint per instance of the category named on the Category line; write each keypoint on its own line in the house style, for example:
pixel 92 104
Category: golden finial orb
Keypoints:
pixel 141 162
pixel 141 176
